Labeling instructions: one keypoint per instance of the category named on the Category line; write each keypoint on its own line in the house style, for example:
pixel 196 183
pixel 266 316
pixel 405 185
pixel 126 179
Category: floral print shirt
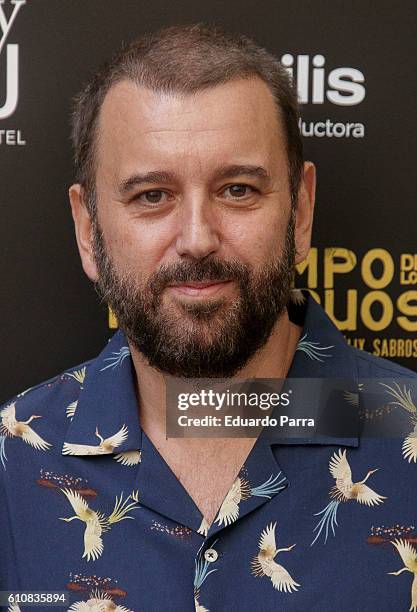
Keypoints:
pixel 88 505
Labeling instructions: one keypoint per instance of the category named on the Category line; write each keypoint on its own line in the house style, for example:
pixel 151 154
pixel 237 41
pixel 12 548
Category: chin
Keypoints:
pixel 198 331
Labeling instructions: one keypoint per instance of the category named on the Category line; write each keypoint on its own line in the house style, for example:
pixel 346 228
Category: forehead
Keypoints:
pixel 236 122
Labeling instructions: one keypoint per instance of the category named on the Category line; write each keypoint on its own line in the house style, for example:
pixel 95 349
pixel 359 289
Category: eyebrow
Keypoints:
pixel 156 176
pixel 162 176
pixel 242 170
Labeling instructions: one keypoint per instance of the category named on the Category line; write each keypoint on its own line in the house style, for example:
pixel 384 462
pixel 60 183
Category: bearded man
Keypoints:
pixel 192 205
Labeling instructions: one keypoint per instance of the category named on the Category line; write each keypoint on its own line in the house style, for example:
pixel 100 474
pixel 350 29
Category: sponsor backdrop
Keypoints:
pixel 354 69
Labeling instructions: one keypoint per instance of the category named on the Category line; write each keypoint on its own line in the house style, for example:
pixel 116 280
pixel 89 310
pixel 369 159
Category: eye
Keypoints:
pixel 154 196
pixel 239 191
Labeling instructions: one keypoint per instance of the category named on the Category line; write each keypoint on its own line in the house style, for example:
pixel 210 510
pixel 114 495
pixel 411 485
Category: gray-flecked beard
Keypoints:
pixel 209 338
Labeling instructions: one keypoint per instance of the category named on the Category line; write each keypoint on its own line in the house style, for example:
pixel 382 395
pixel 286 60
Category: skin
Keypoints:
pixel 193 138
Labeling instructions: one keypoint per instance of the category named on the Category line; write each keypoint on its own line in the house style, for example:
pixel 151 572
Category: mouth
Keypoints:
pixel 199 289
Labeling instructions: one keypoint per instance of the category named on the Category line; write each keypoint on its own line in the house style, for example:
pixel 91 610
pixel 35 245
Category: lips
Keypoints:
pixel 198 285
pixel 201 288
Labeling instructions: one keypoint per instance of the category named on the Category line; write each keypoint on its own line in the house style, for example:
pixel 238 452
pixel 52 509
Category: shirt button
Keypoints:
pixel 211 555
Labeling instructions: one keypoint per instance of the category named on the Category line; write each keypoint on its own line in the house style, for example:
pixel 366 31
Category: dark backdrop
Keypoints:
pixel 51 318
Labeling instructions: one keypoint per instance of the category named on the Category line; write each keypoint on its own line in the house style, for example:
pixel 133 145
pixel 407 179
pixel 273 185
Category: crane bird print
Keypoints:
pixel 96 523
pixel 313 350
pixel 79 376
pixel 10 427
pixel 343 491
pixel 98 602
pixel 263 563
pixel 105 447
pixel 408 555
pixel 117 358
pixel 240 491
pixel 130 457
pixel 404 400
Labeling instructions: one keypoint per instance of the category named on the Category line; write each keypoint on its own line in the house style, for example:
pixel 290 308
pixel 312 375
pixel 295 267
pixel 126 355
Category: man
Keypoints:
pixel 191 207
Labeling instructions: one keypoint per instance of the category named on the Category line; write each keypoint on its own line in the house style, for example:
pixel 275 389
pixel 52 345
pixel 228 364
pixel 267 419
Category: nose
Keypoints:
pixel 198 235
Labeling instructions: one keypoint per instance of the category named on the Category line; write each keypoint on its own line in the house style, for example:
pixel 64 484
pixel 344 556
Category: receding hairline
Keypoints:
pixel 174 93
pixel 185 59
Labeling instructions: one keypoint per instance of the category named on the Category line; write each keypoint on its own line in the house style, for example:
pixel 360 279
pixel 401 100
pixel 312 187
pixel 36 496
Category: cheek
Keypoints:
pixel 257 241
pixel 135 248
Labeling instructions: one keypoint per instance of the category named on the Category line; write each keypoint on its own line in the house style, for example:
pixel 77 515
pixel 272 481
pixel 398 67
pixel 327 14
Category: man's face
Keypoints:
pixel 194 237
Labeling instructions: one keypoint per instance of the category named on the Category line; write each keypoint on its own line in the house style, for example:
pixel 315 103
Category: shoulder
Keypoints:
pixel 43 398
pixel 370 366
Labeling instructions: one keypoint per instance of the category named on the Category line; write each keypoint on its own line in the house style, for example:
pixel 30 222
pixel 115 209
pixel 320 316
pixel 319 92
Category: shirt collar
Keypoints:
pixel 323 353
pixel 108 398
pixel 107 401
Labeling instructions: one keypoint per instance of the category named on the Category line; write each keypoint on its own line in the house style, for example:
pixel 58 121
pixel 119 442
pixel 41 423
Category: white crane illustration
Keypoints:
pixel 404 400
pixel 343 491
pixel 96 523
pixel 105 447
pixel 11 428
pixel 130 457
pixel 204 527
pixel 79 376
pixel 410 446
pixel 240 491
pixel 263 563
pixel 409 556
pixel 98 602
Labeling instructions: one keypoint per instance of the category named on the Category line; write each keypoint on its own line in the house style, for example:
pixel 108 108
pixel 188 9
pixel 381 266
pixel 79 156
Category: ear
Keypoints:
pixel 83 230
pixel 304 212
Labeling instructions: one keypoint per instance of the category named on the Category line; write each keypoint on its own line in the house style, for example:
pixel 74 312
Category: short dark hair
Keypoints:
pixel 184 59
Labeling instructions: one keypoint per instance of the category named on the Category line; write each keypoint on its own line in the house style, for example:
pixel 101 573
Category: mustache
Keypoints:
pixel 198 271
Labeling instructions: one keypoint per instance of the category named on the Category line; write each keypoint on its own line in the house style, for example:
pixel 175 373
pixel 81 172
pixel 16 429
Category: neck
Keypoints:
pixel 273 360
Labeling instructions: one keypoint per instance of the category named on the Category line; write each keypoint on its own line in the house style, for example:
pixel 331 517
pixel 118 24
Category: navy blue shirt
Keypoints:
pixel 293 533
